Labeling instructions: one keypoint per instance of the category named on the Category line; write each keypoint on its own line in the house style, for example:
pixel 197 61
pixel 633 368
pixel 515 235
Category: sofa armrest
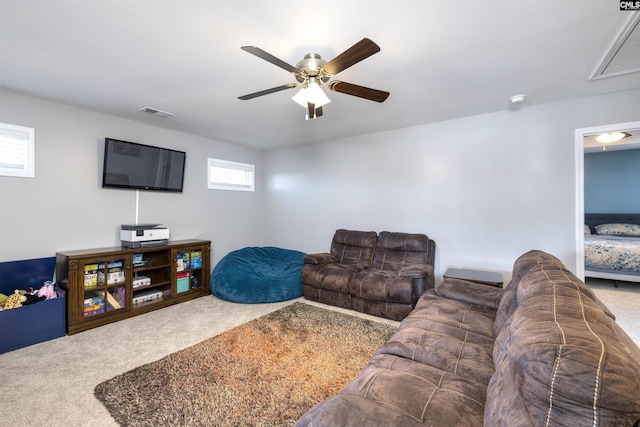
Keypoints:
pixel 470 292
pixel 416 271
pixel 321 258
pixel 422 275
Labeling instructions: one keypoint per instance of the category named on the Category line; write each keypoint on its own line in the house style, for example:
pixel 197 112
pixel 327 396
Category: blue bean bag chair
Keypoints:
pixel 258 275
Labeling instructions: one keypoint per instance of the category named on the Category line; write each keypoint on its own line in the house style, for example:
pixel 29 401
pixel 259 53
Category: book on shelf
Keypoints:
pixel 138 261
pixel 90 275
pixel 182 261
pixel 196 259
pixel 114 273
pixel 93 304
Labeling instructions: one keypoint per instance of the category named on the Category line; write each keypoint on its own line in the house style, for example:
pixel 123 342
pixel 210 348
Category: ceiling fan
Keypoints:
pixel 313 72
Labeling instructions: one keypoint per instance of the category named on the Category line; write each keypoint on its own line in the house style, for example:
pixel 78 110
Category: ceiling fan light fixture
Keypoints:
pixel 316 96
pixel 311 94
pixel 313 72
pixel 611 137
pixel 301 97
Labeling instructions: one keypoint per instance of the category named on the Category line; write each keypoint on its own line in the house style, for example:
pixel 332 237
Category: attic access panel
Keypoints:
pixel 623 57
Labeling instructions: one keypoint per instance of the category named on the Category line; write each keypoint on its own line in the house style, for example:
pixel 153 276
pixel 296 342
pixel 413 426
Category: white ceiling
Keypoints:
pixel 440 59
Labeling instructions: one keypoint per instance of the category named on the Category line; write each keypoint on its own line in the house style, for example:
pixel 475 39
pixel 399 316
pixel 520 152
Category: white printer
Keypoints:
pixel 143 235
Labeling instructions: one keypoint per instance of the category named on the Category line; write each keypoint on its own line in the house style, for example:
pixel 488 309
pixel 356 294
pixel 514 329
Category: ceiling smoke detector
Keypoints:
pixel 156 112
pixel 518 99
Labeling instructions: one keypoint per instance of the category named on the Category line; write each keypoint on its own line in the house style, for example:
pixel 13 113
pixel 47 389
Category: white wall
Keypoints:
pixel 486 188
pixel 65 208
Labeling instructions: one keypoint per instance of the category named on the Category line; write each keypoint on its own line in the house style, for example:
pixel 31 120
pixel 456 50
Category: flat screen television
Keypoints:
pixel 142 167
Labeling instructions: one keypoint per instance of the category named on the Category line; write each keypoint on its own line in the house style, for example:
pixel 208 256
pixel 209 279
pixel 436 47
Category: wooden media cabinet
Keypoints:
pixel 110 284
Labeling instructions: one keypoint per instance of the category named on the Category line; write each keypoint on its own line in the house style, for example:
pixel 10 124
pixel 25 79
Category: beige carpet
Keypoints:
pixel 623 301
pixel 52 383
pixel 267 372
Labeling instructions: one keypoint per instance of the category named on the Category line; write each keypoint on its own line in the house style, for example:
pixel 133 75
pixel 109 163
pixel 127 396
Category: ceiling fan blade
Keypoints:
pixel 270 58
pixel 359 91
pixel 356 53
pixel 267 91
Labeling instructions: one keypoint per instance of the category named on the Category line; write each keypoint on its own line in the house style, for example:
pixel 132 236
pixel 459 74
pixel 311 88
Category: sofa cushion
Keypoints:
pixel 333 277
pixel 565 358
pixel 505 407
pixel 353 247
pixel 433 371
pixel 424 393
pixel 521 267
pixel 394 391
pixel 381 285
pixel 450 335
pixel 395 251
pixel 508 304
pixel 389 310
pixel 462 316
pixel 473 293
pixel 553 278
pixel 509 301
pixel 353 410
pixel 528 260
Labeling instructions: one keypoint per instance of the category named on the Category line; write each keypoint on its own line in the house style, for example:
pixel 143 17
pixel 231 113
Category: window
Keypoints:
pixel 17 148
pixel 226 175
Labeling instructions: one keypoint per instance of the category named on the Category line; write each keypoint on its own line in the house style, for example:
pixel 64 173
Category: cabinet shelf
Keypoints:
pixel 151 286
pixel 149 304
pixel 110 273
pixel 153 267
pixel 115 285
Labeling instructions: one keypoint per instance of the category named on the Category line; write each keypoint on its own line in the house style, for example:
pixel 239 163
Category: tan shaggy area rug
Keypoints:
pixel 267 372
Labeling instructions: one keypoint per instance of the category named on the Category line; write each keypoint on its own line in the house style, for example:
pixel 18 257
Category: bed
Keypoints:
pixel 612 246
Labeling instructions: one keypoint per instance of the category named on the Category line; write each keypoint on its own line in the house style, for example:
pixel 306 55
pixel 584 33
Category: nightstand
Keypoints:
pixel 485 277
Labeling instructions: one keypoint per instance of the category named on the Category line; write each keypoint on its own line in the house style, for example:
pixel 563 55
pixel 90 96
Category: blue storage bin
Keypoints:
pixel 34 323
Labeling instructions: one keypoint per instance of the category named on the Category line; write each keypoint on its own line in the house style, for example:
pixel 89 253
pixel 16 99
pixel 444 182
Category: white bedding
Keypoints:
pixel 620 254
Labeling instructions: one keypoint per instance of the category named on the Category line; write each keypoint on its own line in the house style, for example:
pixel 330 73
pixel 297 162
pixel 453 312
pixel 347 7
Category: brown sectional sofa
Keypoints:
pixel 542 352
pixel 382 275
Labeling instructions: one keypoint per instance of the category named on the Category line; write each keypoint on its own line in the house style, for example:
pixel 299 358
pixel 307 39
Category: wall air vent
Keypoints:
pixel 156 112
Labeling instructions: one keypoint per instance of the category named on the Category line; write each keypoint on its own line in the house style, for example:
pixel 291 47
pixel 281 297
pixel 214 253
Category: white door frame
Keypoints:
pixel 579 153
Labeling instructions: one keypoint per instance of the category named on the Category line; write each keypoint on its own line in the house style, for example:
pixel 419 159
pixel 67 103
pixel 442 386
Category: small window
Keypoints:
pixel 226 175
pixel 17 147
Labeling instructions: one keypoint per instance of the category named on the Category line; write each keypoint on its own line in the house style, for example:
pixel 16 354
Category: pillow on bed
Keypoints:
pixel 587 230
pixel 631 230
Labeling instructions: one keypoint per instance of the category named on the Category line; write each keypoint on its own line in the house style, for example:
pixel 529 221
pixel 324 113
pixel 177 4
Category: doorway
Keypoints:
pixel 580 136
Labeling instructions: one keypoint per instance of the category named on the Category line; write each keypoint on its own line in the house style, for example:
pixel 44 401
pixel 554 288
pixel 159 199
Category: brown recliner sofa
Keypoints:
pixel 544 351
pixel 382 275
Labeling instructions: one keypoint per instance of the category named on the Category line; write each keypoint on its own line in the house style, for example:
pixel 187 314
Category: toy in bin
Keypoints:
pixel 21 297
